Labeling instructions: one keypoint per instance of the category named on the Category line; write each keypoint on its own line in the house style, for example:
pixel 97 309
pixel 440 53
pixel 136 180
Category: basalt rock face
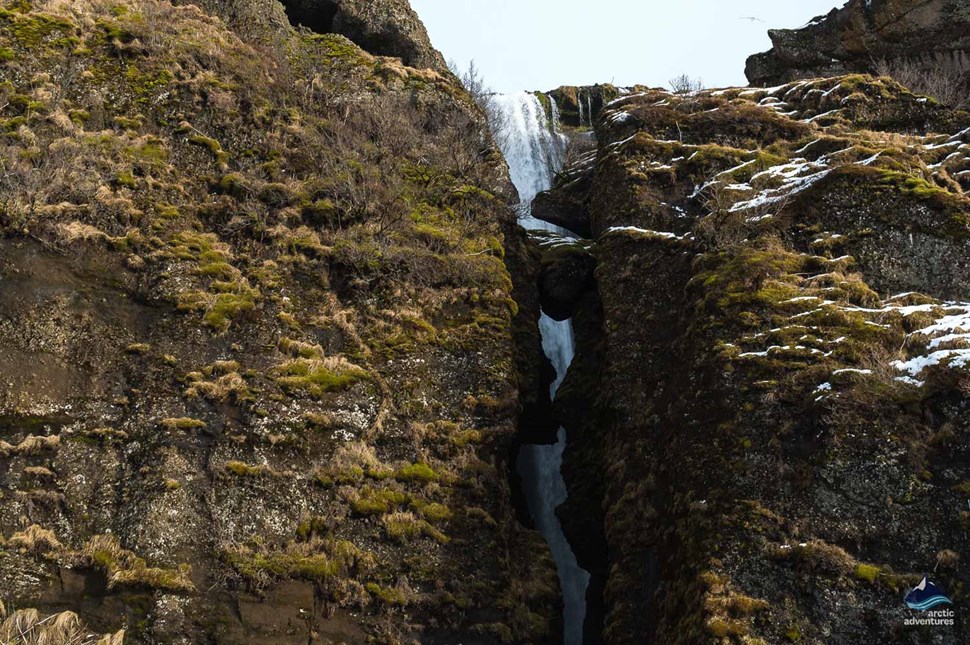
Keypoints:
pixel 928 33
pixel 382 28
pixel 385 27
pixel 257 337
pixel 767 412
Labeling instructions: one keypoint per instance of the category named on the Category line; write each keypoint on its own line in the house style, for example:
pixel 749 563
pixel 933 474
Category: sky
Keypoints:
pixel 542 44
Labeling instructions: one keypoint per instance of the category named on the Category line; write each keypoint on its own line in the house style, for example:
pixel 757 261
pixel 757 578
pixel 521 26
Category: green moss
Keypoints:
pixel 241 469
pixel 210 144
pixel 234 184
pixel 287 565
pixel 378 502
pixel 339 49
pixel 6 54
pixel 315 378
pixel 387 595
pixel 867 572
pixel 416 472
pixel 433 512
pixel 404 526
pixel 322 211
pixel 182 423
pixel 725 627
pixel 276 195
pixel 37 31
pixel 115 31
pixel 125 569
pixel 128 123
pixel 228 306
pixel 126 179
pixel 710 159
pixel 139 348
pixel 546 105
pixel 79 117
pixel 910 184
pixel 217 269
pixel 152 152
pixel 300 349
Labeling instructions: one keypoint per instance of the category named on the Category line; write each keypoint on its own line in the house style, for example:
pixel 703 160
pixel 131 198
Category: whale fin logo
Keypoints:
pixel 925 596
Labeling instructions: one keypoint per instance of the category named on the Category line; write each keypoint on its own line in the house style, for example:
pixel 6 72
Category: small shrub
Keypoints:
pixel 685 84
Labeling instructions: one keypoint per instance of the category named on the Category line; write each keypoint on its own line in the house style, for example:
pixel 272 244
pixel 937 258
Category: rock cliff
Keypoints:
pixel 257 334
pixel 767 413
pixel 929 34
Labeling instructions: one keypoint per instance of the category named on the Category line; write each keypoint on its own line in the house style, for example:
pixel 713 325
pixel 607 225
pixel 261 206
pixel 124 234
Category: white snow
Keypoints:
pixel 952 357
pixel 647 232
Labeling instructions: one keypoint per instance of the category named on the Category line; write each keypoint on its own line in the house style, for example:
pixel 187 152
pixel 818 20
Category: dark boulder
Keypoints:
pixel 565 207
pixel 566 275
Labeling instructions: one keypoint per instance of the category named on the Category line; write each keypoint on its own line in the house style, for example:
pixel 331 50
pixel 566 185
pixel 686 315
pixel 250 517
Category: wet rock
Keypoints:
pixel 566 275
pixel 565 208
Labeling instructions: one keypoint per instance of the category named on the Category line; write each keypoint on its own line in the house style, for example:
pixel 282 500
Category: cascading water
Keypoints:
pixel 535 153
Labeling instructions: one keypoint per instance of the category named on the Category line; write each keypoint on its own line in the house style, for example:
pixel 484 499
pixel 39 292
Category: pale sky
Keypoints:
pixel 542 44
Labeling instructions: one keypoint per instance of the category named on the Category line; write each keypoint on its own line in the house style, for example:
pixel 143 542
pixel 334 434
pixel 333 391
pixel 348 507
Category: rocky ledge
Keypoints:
pixel 768 424
pixel 928 34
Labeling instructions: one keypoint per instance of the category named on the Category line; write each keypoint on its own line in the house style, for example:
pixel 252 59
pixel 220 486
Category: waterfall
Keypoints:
pixel 545 490
pixel 534 150
pixel 554 108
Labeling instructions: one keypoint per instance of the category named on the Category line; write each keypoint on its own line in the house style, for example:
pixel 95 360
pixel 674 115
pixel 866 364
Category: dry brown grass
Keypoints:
pixel 124 568
pixel 944 81
pixel 26 627
pixel 35 539
pixel 231 386
pixel 29 446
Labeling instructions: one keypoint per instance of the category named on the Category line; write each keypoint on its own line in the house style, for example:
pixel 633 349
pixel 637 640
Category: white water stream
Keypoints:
pixel 534 150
